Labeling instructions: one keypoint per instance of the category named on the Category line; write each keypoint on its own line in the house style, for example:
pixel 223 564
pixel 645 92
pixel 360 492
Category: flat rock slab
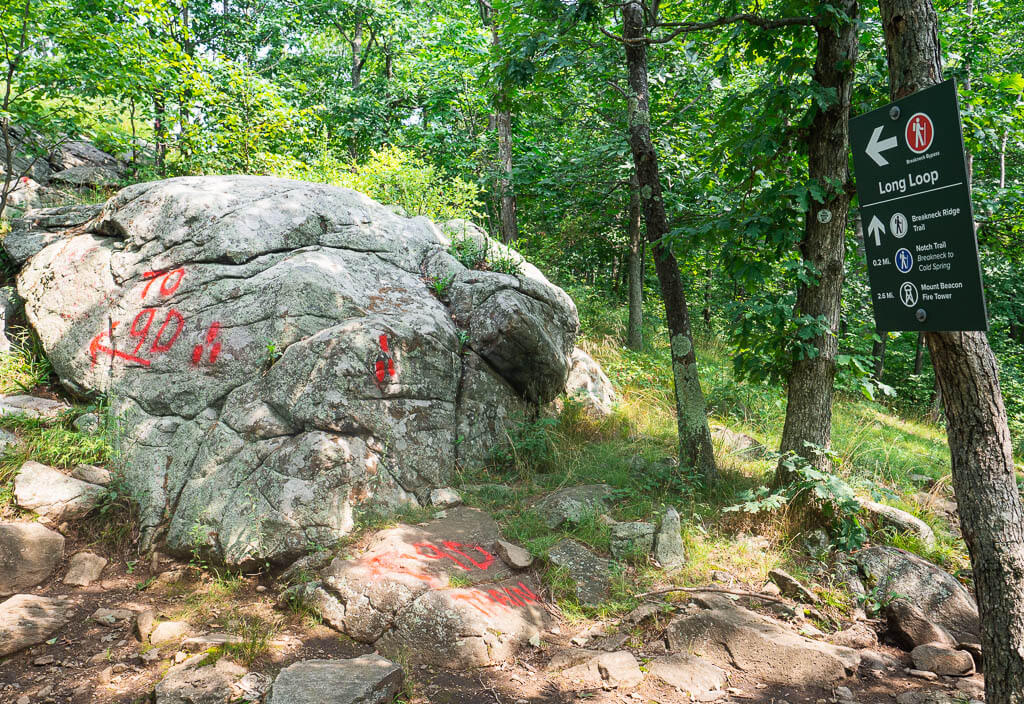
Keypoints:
pixel 619 669
pixel 573 504
pixel 84 569
pixel 27 620
pixel 31 406
pixel 435 591
pixel 690 674
pixel 592 574
pixel 943 660
pixel 187 684
pixel 168 631
pixel 935 592
pixel 53 494
pixel 369 679
pixel 29 553
pixel 731 636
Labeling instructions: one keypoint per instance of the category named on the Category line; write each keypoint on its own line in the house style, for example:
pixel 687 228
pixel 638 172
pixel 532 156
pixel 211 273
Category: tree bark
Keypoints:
pixel 503 126
pixel 694 434
pixel 878 352
pixel 808 423
pixel 356 45
pixel 991 513
pixel 919 355
pixel 635 329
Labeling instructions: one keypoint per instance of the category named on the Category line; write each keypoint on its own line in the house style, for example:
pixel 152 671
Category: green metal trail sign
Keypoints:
pixel 915 205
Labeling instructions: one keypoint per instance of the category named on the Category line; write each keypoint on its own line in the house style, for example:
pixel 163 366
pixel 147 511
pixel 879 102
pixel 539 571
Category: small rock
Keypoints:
pixel 844 694
pixel 260 588
pixel 771 589
pixel 572 504
pixel 614 669
pixel 973 687
pixel 53 494
pixel 925 697
pixel 24 700
pixel 923 674
pixel 168 631
pixel 445 497
pixel 912 628
pixel 631 539
pixel 84 569
pixel 186 684
pixel 32 406
pixel 209 640
pixel 592 574
pixel 942 660
pixel 87 423
pixel 690 673
pixel 170 577
pixel 856 636
pixel 27 620
pixel 534 640
pixel 144 624
pixel 92 474
pixel 29 553
pixel 369 678
pixel 512 555
pixel 721 577
pixel 640 614
pixel 878 662
pixel 791 586
pixel 43 660
pixel 112 617
pixel 669 550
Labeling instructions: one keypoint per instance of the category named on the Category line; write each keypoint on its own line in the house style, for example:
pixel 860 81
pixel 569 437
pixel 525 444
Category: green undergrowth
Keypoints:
pixel 878 454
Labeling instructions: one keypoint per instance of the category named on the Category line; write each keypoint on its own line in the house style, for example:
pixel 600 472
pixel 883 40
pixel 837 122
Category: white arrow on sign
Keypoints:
pixel 876 229
pixel 877 145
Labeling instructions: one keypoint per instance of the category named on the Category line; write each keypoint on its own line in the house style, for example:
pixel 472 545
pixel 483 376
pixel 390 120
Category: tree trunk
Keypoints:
pixel 694 434
pixel 991 514
pixel 878 352
pixel 919 355
pixel 635 330
pixel 503 125
pixel 159 136
pixel 356 45
pixel 809 405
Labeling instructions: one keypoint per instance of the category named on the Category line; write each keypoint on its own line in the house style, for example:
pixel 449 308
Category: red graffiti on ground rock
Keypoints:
pixel 473 557
pixel 384 366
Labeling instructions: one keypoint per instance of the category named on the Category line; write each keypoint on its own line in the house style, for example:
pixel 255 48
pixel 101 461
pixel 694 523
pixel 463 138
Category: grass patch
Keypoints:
pixel 25 367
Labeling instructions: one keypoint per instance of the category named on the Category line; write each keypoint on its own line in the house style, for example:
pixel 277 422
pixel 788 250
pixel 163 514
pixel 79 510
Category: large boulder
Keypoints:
pixel 52 494
pixel 368 679
pixel 26 619
pixel 434 593
pixel 278 358
pixel 29 554
pixel 898 574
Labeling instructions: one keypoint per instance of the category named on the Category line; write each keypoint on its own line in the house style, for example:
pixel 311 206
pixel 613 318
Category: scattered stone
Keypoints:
pixel 728 635
pixel 572 504
pixel 690 673
pixel 31 406
pixel 145 621
pixel 641 614
pixel 721 577
pixel 924 697
pixel 935 592
pixel 857 636
pixel 922 479
pixel 187 684
pixel 29 554
pixel 260 589
pixel 923 674
pixel 7 438
pixel 369 679
pixel 771 589
pixel 28 620
pixel 87 424
pixel 445 498
pixel 817 542
pixel 669 550
pixel 252 687
pixel 844 694
pixel 912 628
pixel 53 494
pixel 613 669
pixel 736 443
pixel 91 474
pixel 514 556
pixel 209 640
pixel 632 539
pixel 168 631
pixel 943 660
pixel 84 569
pixel 592 574
pixel 589 385
pixel 879 662
pixel 112 617
pixel 43 660
pixel 790 586
pixel 900 520
pixel 973 687
pixel 170 577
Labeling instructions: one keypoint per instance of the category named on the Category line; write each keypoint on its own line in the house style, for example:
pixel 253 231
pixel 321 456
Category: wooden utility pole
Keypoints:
pixel 991 513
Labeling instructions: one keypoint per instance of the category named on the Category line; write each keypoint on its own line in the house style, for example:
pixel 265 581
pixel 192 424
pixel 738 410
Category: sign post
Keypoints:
pixel 915 202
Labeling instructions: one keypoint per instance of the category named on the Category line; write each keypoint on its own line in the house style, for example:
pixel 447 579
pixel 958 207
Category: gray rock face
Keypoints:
pixel 589 385
pixel 80 176
pixel 91 474
pixel 187 684
pixel 27 620
pixel 168 631
pixel 912 628
pixel 368 679
pixel 790 586
pixel 736 443
pixel 74 154
pixel 31 406
pixel 943 660
pixel 53 494
pixel 691 674
pixel 278 359
pixel 592 574
pixel 619 669
pixel 731 636
pixel 636 538
pixel 669 550
pixel 84 569
pixel 39 228
pixel 572 504
pixel 935 592
pixel 433 592
pixel 29 553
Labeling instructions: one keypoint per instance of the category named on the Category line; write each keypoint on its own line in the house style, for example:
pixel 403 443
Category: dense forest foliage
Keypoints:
pixel 515 113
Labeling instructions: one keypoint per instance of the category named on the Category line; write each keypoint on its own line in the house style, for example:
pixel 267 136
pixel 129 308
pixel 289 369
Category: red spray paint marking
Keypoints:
pixel 96 346
pixel 488 557
pixel 179 321
pixel 384 367
pixel 211 335
pixel 171 281
pixel 134 331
